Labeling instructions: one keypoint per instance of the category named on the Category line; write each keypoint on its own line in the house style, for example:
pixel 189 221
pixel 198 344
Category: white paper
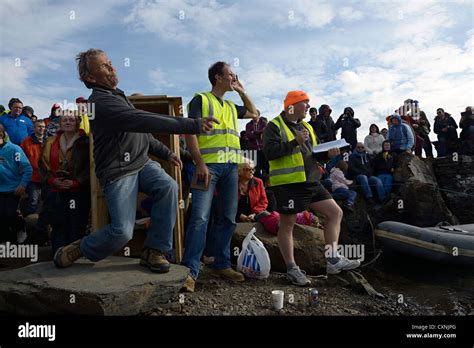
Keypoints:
pixel 330 145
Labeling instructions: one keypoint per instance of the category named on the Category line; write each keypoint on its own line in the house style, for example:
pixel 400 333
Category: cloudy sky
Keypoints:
pixel 370 55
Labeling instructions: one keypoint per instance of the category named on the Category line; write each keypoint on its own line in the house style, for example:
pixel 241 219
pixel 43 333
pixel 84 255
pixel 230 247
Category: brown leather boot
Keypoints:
pixel 67 255
pixel 228 274
pixel 155 260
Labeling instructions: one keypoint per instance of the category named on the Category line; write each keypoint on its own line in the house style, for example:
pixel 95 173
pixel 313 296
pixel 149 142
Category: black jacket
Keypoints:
pixel 449 122
pixel 320 129
pixel 382 166
pixel 349 126
pixel 122 138
pixel 330 127
pixel 359 165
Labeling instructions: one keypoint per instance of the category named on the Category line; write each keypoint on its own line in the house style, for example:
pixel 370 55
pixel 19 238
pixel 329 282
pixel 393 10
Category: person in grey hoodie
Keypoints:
pixel 122 141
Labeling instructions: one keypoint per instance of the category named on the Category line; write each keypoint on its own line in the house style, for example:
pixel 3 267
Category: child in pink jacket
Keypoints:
pixel 340 190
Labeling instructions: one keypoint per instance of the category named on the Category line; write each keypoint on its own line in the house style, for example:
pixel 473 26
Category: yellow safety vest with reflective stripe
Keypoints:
pixel 222 143
pixel 85 123
pixel 289 169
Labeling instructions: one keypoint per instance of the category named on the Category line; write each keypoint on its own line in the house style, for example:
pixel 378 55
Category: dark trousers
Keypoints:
pixel 70 217
pixel 40 233
pixel 427 146
pixel 262 167
pixel 10 221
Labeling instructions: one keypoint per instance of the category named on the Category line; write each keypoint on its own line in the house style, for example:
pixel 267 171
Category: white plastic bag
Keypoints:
pixel 253 261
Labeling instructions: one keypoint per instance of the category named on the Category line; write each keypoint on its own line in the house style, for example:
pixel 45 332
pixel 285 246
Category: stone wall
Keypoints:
pixel 456 183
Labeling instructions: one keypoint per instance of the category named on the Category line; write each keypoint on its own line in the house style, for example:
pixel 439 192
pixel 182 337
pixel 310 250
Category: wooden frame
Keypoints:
pixel 159 104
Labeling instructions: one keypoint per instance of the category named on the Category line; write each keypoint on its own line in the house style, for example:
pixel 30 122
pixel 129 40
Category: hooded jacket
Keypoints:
pixel 338 179
pixel 400 135
pixel 383 163
pixel 349 126
pixel 15 169
pixel 359 165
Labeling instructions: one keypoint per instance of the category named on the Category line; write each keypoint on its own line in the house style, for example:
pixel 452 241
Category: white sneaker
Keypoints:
pixel 344 264
pixel 297 277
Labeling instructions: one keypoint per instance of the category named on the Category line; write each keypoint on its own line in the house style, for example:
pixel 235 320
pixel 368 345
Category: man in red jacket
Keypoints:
pixel 32 146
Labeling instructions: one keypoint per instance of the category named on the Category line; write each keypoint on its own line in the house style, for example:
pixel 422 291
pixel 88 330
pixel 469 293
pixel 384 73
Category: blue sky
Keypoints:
pixel 370 55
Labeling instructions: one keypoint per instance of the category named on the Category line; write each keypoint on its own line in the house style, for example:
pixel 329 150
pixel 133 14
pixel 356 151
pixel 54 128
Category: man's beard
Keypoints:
pixel 113 80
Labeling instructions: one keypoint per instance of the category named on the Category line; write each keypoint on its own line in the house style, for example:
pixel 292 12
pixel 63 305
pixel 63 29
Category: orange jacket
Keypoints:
pixel 32 148
pixel 257 196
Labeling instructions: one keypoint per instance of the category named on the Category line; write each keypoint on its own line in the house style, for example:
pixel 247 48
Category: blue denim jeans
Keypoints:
pixel 33 189
pixel 327 183
pixel 121 196
pixel 365 184
pixel 211 226
pixel 225 178
pixel 348 196
pixel 387 181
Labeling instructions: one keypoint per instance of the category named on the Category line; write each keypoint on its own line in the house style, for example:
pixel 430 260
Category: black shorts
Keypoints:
pixel 295 198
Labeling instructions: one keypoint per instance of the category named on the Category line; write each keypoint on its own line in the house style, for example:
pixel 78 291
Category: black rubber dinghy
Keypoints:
pixel 442 243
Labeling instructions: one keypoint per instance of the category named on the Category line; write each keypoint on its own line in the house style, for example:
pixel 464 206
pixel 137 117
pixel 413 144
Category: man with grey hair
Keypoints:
pixel 122 141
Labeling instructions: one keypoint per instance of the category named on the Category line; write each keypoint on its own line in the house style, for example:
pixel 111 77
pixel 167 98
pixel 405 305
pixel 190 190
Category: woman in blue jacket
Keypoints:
pixel 15 173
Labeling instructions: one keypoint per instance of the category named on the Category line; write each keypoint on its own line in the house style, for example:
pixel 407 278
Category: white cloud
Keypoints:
pixel 182 21
pixel 349 14
pixel 366 79
pixel 45 40
pixel 394 50
pixel 160 79
pixel 416 22
pixel 307 14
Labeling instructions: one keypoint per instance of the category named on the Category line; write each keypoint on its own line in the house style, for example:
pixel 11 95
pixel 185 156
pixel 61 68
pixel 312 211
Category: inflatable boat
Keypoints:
pixel 442 243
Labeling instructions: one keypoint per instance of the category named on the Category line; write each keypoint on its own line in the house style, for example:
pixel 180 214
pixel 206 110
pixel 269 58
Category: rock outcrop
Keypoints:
pixel 114 286
pixel 419 197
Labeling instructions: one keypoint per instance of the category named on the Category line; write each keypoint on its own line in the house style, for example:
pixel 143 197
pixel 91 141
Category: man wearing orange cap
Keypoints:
pixel 294 178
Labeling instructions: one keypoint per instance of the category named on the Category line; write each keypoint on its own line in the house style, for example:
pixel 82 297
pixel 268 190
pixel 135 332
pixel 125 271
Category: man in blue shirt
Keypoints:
pixel 17 125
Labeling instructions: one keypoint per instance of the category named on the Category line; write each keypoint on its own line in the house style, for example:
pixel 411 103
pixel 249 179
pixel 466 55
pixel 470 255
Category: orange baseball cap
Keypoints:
pixel 294 97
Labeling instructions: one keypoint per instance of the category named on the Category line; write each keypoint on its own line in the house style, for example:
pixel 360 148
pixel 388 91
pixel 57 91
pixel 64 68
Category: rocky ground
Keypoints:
pixel 253 298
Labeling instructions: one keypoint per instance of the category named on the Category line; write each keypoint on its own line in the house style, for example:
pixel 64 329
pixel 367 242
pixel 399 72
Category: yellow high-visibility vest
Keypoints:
pixel 289 169
pixel 85 123
pixel 222 143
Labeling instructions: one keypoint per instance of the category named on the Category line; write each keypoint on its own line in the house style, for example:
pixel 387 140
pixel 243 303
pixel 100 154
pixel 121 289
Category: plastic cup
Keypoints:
pixel 277 299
